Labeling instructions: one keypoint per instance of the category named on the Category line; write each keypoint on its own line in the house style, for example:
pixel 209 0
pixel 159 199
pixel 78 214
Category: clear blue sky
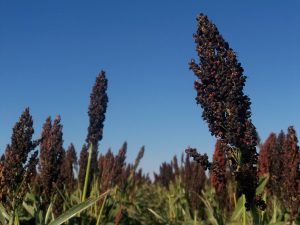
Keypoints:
pixel 51 52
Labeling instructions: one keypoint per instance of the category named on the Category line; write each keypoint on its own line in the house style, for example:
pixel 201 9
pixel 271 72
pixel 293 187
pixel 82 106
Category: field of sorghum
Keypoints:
pixel 41 182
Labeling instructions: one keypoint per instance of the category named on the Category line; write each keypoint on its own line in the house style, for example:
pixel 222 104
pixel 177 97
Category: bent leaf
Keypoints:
pixel 77 209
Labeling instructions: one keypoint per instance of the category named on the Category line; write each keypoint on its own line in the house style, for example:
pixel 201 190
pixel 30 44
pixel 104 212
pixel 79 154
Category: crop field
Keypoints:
pixel 246 181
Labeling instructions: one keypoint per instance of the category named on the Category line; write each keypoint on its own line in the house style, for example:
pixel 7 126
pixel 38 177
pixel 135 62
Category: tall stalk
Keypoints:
pixel 86 181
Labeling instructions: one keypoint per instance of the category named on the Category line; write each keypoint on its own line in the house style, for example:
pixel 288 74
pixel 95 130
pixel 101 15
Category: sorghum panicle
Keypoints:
pixel 193 177
pixel 175 165
pixel 165 176
pixel 218 175
pixel 18 165
pixel 138 158
pixel 225 107
pixel 51 158
pixel 107 168
pixel 84 154
pixel 68 167
pixel 291 195
pixel 266 154
pixel 97 109
pixel 199 158
pixel 277 178
pixel 119 165
pixel 110 168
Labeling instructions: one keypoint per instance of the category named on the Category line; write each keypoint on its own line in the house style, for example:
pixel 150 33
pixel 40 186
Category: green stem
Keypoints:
pixel 12 219
pixel 101 210
pixel 87 173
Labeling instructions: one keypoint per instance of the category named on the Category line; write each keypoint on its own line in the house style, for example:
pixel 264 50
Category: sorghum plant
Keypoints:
pixel 51 158
pixel 165 176
pixel 107 166
pixel 130 173
pixel 111 168
pixel 138 158
pixel 277 177
pixel 291 181
pixel 271 162
pixel 18 165
pixel 119 165
pixel 82 165
pixel 225 107
pixel 168 172
pixel 191 174
pixel 97 109
pixel 193 177
pixel 175 165
pixel 266 153
pixel 218 178
pixel 68 167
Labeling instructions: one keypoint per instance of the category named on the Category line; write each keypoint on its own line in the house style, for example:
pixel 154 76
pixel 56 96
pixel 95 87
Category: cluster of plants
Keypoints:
pixel 41 182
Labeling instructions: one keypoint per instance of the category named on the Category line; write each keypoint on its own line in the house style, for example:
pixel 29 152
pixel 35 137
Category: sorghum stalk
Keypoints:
pixel 97 109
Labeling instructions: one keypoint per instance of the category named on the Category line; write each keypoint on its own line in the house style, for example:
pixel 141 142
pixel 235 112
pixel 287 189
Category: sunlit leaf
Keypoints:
pixel 76 209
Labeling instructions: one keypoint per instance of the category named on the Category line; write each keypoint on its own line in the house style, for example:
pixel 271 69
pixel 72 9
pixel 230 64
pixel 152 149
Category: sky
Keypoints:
pixel 52 51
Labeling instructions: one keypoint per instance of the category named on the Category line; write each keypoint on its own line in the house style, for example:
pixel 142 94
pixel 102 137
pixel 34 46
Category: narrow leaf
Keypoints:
pixel 3 212
pixel 262 184
pixel 156 215
pixel 77 209
pixel 2 219
pixel 48 213
pixel 28 208
pixel 238 209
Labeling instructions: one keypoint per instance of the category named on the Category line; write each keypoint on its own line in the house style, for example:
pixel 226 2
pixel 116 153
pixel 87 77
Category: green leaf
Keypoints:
pixel 77 209
pixel 157 215
pixel 274 216
pixel 17 221
pixel 238 209
pixel 40 216
pixel 209 211
pixel 3 212
pixel 30 197
pixel 262 184
pixel 2 219
pixel 28 208
pixel 48 213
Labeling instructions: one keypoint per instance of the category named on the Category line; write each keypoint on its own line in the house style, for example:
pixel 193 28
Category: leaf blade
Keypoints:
pixel 76 209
